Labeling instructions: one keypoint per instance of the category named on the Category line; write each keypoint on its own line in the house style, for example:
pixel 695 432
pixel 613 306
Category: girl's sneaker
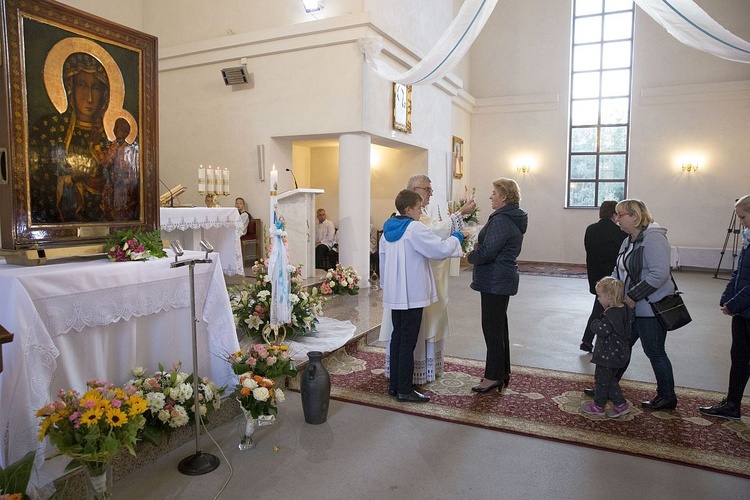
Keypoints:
pixel 591 408
pixel 619 410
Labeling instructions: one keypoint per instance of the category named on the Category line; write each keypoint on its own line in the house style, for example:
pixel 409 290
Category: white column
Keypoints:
pixel 354 203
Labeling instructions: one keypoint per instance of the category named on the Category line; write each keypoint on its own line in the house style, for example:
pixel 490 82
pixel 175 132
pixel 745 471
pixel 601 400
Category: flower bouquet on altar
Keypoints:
pixel 341 280
pixel 134 245
pixel 169 399
pixel 91 428
pixel 251 303
pixel 455 206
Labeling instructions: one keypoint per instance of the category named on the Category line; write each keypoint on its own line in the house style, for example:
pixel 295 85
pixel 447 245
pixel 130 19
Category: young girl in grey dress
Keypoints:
pixel 612 349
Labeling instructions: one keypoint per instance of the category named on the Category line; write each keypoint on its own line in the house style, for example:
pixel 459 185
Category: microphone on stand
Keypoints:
pixel 293 177
pixel 171 196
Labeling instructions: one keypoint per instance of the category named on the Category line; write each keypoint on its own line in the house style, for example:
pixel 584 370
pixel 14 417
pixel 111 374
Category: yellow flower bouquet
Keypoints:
pixel 91 428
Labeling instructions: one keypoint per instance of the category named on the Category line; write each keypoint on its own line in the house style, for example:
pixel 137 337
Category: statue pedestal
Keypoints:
pixel 297 207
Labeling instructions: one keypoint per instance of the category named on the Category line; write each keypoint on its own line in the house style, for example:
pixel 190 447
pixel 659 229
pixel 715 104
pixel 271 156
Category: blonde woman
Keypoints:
pixel 495 276
pixel 643 265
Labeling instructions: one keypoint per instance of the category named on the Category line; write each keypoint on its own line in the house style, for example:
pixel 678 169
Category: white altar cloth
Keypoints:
pixel 329 335
pixel 221 226
pixel 89 319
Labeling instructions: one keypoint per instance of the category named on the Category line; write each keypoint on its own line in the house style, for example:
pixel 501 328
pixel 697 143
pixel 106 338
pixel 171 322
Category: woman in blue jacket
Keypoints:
pixel 735 302
pixel 495 275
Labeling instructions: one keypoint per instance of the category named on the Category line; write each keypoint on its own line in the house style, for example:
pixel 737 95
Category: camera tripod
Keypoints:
pixel 734 231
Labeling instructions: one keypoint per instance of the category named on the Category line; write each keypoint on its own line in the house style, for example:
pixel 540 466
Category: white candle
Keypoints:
pixel 201 180
pixel 218 182
pixel 274 179
pixel 274 182
pixel 225 179
pixel 210 180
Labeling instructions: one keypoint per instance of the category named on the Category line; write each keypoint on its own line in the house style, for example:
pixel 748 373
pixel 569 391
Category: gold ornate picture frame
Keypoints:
pixel 402 107
pixel 457 147
pixel 78 127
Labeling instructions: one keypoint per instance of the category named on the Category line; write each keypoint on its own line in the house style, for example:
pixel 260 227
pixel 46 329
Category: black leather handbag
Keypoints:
pixel 671 310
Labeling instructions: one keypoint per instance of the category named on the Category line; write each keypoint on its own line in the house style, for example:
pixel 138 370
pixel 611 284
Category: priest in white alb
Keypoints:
pixel 428 355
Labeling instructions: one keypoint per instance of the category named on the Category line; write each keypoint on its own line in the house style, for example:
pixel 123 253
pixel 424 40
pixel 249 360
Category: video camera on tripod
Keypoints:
pixel 734 231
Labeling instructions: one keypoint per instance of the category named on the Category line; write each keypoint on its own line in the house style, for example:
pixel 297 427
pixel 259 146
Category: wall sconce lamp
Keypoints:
pixel 524 164
pixel 690 167
pixel 312 5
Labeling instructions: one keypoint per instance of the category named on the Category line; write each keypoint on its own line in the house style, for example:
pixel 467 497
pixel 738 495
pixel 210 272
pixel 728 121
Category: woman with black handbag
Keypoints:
pixel 643 264
pixel 735 302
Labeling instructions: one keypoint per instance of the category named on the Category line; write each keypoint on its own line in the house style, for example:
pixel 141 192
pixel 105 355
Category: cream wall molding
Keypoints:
pixel 321 33
pixel 464 100
pixel 517 104
pixel 678 94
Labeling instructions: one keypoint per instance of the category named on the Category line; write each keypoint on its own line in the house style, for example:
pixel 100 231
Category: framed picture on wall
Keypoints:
pixel 78 127
pixel 402 107
pixel 458 157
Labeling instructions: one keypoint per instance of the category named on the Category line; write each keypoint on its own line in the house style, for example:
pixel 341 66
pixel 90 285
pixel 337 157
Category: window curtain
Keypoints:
pixel 683 19
pixel 444 56
pixel 690 24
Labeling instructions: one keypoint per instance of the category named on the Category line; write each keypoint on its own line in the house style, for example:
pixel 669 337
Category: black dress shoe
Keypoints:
pixel 498 383
pixel 725 409
pixel 392 392
pixel 413 397
pixel 659 403
pixel 589 393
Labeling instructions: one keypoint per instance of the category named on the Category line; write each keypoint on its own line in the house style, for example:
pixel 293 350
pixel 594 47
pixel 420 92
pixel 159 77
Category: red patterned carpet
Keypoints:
pixel 552 269
pixel 545 404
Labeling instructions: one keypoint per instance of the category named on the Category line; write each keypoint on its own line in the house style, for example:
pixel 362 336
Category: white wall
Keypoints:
pixel 683 101
pixel 178 22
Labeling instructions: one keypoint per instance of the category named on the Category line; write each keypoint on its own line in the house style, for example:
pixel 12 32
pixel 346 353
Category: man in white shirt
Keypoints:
pixel 239 204
pixel 325 233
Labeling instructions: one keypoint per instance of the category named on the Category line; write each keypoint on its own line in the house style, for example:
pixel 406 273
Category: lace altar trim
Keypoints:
pixel 110 305
pixel 201 221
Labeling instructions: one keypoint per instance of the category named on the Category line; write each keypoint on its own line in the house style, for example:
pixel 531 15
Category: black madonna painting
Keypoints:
pixel 83 157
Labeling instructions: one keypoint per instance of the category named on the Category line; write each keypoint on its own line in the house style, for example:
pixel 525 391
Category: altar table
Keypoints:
pixel 220 226
pixel 95 319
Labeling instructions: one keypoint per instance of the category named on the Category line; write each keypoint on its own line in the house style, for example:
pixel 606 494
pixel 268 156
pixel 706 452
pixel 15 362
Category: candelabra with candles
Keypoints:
pixel 213 181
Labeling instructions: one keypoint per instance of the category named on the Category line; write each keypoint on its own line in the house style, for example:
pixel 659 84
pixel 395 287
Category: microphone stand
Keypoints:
pixel 293 177
pixel 199 463
pixel 171 196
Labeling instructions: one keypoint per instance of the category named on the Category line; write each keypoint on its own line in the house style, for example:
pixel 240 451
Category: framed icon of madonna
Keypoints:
pixel 78 127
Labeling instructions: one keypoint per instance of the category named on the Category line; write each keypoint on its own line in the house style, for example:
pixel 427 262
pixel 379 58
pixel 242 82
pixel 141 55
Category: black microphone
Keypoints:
pixel 171 196
pixel 293 177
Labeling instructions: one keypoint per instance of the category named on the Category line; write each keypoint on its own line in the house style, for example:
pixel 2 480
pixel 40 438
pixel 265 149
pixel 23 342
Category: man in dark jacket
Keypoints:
pixel 602 242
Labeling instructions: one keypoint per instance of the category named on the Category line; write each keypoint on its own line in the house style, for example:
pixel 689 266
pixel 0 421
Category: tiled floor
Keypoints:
pixel 363 452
